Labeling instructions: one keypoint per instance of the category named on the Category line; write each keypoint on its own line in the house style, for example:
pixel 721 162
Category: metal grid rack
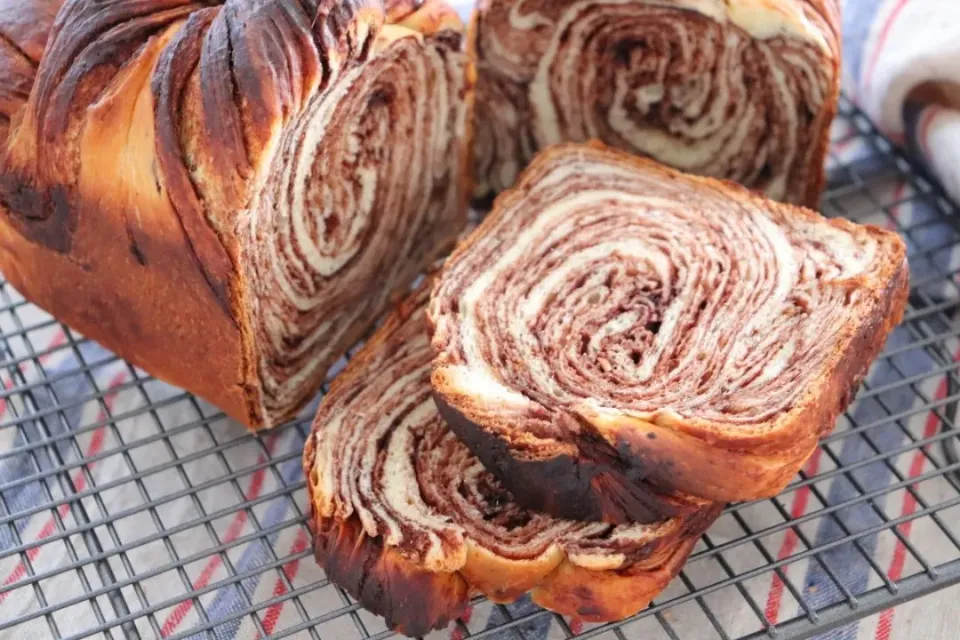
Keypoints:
pixel 129 509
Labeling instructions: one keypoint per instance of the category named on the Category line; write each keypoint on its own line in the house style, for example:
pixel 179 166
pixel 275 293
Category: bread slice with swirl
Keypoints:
pixel 410 523
pixel 616 332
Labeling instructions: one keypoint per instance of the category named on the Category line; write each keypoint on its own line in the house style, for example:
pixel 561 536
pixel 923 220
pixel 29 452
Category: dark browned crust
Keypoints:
pixel 26 25
pixel 619 596
pixel 595 486
pixel 411 599
pixel 642 460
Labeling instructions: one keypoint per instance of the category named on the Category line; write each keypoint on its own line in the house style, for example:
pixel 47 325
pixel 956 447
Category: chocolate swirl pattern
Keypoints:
pixel 226 193
pixel 387 138
pixel 744 91
pixel 616 330
pixel 410 522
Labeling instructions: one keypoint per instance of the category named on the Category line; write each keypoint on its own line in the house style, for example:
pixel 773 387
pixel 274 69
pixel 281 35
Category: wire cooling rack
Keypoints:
pixel 129 509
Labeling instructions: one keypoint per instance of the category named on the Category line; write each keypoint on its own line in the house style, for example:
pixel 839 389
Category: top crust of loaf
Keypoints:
pixel 705 457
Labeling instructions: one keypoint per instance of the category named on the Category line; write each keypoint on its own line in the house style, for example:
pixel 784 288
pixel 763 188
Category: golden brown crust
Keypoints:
pixel 574 591
pixel 397 10
pixel 552 72
pixel 593 596
pixel 128 177
pixel 615 454
pixel 454 530
pixel 74 242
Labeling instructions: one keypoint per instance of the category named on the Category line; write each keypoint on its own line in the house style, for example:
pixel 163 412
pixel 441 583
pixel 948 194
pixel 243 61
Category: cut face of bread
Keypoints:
pixel 617 329
pixel 410 523
pixel 742 90
pixel 365 190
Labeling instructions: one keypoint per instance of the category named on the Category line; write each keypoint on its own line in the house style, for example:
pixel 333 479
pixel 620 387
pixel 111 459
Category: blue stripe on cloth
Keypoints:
pixel 858 18
pixel 229 600
pixel 846 561
pixel 932 247
pixel 44 398
pixel 536 629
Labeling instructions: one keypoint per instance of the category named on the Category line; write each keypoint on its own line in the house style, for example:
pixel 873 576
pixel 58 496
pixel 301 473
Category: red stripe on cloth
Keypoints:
pixel 457 632
pixel 79 483
pixel 176 616
pixel 909 506
pixel 881 42
pixel 279 588
pixel 843 145
pixel 58 340
pixel 898 207
pixel 800 500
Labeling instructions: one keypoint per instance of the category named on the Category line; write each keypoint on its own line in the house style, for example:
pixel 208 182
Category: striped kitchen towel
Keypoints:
pixel 902 66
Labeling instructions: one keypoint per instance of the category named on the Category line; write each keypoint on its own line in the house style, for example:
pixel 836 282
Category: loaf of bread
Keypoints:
pixel 742 90
pixel 410 523
pixel 227 194
pixel 615 330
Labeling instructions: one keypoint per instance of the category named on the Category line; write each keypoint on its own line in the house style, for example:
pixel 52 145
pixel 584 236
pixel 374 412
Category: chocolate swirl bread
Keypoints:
pixel 227 193
pixel 616 330
pixel 410 523
pixel 742 90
